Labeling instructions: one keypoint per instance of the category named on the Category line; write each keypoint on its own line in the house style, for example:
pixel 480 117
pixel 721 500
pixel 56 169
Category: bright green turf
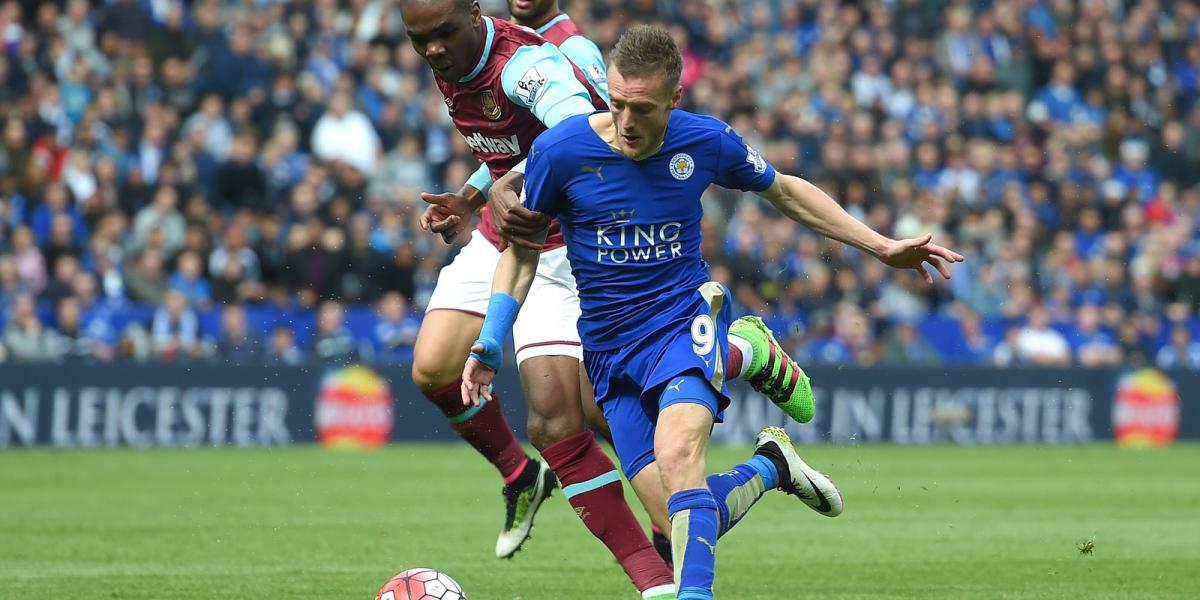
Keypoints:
pixel 939 522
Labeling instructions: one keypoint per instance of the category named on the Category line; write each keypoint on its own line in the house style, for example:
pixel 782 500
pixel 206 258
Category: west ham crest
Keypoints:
pixel 491 110
pixel 449 105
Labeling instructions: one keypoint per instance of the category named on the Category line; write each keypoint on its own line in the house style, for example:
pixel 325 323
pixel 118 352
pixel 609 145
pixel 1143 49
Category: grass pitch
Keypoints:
pixel 929 522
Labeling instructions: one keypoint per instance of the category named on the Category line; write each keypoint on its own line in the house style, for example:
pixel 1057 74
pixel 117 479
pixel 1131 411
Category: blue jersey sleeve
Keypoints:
pixel 541 79
pixel 543 192
pixel 741 167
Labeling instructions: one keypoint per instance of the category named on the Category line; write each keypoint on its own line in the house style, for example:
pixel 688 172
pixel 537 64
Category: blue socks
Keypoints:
pixel 695 526
pixel 737 489
pixel 700 516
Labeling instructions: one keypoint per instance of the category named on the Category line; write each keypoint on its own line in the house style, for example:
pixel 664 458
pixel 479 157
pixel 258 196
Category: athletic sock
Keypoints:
pixel 484 427
pixel 592 485
pixel 741 355
pixel 737 489
pixel 695 526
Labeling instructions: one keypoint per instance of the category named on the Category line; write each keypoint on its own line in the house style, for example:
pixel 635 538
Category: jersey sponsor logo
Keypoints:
pixel 478 143
pixel 756 159
pixel 620 243
pixel 491 110
pixel 682 166
pixel 530 85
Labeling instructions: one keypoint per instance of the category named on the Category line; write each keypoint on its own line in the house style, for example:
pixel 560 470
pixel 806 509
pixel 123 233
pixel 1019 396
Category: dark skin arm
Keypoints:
pixel 517 225
pixel 450 213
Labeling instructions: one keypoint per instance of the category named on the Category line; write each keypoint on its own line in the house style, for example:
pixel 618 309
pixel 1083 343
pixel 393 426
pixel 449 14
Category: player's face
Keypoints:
pixel 641 107
pixel 531 11
pixel 444 34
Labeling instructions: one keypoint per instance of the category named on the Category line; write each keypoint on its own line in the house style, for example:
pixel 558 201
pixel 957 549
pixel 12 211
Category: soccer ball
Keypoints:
pixel 421 584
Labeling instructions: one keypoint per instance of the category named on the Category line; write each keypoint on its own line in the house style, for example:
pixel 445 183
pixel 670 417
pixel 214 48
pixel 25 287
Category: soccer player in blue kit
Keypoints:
pixel 625 186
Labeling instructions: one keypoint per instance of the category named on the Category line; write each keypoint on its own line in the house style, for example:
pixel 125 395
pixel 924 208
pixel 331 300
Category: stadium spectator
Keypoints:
pixel 282 349
pixel 66 268
pixel 396 330
pixel 175 329
pixel 145 278
pixel 189 279
pixel 10 282
pixel 28 259
pixel 73 340
pixel 333 342
pixel 344 135
pixel 1092 346
pixel 1061 158
pixel 235 248
pixel 160 225
pixel 239 181
pixel 62 241
pixel 236 344
pixel 26 338
pixel 904 347
pixel 978 347
pixel 1181 353
pixel 1038 344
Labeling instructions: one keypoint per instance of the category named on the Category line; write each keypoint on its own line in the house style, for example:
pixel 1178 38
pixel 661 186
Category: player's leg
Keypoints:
pixel 591 411
pixel 444 340
pixel 451 324
pixel 653 498
pixel 757 357
pixel 632 423
pixel 680 445
pixel 549 354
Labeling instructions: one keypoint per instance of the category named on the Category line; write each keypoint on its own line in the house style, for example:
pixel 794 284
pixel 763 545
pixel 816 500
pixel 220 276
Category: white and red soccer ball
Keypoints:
pixel 421 584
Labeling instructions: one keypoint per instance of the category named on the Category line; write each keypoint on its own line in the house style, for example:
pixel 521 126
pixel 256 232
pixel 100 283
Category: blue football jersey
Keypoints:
pixel 632 228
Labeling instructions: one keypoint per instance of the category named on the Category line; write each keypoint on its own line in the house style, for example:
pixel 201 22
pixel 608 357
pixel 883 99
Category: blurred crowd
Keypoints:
pixel 238 180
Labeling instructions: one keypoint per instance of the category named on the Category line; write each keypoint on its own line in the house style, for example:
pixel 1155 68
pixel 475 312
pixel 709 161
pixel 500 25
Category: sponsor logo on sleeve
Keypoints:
pixel 530 86
pixel 756 159
pixel 596 73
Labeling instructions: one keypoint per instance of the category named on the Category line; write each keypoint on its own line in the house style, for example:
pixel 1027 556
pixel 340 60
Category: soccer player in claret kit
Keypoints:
pixel 546 19
pixel 625 186
pixel 504 85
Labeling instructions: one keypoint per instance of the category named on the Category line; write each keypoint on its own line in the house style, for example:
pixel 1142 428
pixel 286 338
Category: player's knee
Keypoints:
pixel 430 377
pixel 681 462
pixel 547 430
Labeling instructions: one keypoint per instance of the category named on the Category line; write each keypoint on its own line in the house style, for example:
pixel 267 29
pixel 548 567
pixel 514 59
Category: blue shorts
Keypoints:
pixel 682 362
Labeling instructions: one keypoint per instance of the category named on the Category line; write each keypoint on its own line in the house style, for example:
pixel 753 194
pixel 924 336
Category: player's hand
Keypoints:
pixel 477 378
pixel 514 222
pixel 915 252
pixel 448 214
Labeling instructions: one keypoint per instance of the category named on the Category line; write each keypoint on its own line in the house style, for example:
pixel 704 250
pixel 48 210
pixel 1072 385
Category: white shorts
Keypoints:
pixel 546 325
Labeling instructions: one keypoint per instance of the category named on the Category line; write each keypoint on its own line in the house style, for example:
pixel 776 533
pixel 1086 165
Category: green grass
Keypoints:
pixel 932 522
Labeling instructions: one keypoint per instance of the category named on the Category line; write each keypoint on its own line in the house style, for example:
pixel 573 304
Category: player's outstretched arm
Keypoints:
pixel 449 213
pixel 805 203
pixel 514 275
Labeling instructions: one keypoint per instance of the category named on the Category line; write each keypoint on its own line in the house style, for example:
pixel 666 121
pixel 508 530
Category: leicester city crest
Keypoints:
pixel 682 166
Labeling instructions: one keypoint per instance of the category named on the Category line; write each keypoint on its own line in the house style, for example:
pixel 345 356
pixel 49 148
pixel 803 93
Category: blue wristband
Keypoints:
pixel 501 314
